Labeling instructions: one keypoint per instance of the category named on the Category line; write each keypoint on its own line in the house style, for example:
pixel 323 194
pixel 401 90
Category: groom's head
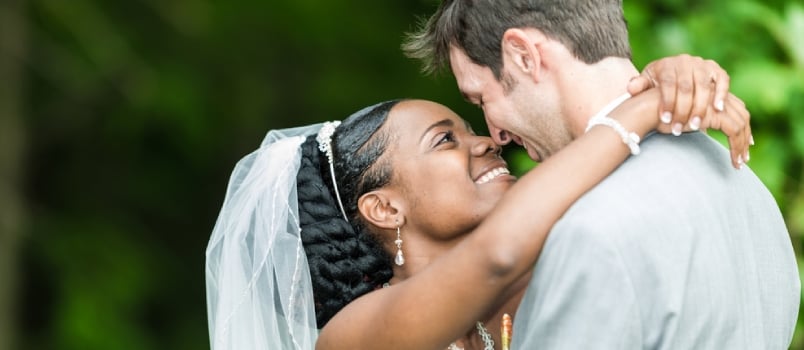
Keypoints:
pixel 515 59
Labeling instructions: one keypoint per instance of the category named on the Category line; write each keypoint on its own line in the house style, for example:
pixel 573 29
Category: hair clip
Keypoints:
pixel 324 138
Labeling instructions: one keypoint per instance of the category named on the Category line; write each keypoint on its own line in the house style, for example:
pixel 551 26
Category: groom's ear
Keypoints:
pixel 380 208
pixel 520 49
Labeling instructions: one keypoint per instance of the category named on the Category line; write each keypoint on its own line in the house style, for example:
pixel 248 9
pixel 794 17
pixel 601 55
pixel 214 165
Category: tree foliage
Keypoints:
pixel 136 112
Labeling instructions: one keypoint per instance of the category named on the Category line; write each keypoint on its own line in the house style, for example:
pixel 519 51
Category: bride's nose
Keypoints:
pixel 484 145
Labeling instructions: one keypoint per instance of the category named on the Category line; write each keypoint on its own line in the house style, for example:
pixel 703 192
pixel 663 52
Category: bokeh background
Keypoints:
pixel 120 122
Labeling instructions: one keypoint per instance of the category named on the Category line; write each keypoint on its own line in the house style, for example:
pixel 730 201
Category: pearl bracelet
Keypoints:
pixel 630 139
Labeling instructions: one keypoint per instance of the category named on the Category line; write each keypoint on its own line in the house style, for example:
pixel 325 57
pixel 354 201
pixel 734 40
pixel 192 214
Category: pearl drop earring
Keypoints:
pixel 400 259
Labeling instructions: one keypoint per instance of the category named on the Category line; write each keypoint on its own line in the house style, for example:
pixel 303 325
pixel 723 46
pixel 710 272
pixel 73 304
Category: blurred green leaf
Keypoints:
pixel 764 86
pixel 768 160
pixel 794 31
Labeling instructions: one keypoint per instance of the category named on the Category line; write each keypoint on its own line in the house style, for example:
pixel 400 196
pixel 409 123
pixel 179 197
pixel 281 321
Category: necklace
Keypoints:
pixel 484 334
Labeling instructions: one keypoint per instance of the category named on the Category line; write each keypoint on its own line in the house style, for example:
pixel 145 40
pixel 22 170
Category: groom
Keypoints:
pixel 675 250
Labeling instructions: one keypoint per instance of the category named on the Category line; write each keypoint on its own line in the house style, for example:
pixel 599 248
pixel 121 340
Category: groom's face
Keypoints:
pixel 514 107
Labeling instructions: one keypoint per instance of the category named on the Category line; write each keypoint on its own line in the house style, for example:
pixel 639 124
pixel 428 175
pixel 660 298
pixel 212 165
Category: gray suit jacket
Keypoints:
pixel 674 250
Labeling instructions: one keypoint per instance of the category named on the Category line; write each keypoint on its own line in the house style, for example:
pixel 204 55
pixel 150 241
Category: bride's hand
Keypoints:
pixel 688 85
pixel 694 95
pixel 734 122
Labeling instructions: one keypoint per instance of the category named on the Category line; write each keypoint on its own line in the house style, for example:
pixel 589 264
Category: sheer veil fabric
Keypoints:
pixel 259 292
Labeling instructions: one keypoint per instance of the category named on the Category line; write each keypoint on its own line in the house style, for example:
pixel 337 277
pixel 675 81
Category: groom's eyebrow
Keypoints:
pixel 445 122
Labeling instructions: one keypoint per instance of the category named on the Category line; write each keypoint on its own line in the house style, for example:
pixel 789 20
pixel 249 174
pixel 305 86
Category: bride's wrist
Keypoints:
pixel 636 114
pixel 631 120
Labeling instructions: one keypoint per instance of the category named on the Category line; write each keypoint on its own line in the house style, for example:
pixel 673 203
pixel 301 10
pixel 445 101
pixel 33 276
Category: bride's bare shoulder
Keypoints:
pixel 357 325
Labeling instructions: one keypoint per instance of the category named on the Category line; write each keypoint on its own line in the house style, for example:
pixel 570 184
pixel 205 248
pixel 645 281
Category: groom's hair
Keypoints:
pixel 591 29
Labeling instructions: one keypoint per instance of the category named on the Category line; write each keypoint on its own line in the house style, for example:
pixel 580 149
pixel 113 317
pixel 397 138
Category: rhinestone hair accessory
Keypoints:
pixel 324 139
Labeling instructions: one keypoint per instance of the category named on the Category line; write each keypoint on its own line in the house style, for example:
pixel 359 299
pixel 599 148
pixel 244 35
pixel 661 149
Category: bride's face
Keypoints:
pixel 449 177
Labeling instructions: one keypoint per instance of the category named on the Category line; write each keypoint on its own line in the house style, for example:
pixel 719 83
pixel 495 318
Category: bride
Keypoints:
pixel 399 228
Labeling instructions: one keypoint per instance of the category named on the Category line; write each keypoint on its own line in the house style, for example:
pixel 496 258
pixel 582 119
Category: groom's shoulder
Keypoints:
pixel 687 163
pixel 670 175
pixel 671 155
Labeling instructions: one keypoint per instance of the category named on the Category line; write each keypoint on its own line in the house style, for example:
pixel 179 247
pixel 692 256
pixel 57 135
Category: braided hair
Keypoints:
pixel 346 260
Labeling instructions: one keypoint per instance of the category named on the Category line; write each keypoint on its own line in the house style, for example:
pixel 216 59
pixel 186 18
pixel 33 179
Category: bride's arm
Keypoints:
pixel 439 304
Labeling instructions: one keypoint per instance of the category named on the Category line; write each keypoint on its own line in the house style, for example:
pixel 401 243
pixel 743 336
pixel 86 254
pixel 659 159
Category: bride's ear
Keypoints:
pixel 380 209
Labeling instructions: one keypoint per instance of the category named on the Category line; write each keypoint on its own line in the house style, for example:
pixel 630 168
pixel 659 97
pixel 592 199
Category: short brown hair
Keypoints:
pixel 591 29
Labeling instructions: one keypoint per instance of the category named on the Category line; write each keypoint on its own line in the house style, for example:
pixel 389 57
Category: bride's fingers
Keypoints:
pixel 667 79
pixel 721 81
pixel 703 93
pixel 685 93
pixel 734 122
pixel 745 120
pixel 748 136
pixel 640 83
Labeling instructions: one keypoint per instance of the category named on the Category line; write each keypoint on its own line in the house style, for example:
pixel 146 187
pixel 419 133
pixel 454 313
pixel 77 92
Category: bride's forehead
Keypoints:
pixel 419 115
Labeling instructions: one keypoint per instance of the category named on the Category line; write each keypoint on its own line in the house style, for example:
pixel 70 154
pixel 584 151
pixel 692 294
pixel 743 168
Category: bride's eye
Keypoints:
pixel 448 136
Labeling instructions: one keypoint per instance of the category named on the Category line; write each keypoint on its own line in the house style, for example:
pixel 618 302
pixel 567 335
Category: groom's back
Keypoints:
pixel 675 250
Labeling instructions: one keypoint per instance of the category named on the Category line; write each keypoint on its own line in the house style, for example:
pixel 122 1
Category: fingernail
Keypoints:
pixel 719 105
pixel 740 160
pixel 666 117
pixel 695 123
pixel 677 129
pixel 751 140
pixel 747 156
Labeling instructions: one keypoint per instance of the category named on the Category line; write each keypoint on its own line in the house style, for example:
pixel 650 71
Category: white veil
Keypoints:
pixel 259 293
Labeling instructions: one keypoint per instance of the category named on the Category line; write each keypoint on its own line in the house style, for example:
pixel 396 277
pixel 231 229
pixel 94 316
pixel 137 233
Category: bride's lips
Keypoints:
pixel 491 172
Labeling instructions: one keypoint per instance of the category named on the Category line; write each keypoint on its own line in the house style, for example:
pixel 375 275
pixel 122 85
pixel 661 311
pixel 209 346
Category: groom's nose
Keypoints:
pixel 500 136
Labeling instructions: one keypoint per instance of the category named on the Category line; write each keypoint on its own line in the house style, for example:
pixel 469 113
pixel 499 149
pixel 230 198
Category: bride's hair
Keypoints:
pixel 346 260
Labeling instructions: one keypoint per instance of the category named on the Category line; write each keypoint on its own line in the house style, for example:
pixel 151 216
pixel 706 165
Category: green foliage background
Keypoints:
pixel 133 113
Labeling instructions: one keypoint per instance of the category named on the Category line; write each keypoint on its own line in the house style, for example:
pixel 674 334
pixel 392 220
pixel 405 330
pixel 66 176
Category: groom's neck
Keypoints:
pixel 586 89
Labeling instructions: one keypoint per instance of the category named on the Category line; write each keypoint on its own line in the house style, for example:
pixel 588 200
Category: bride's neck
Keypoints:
pixel 419 254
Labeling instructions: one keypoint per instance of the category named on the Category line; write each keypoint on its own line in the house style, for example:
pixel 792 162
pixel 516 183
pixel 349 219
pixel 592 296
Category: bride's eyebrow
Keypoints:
pixel 445 122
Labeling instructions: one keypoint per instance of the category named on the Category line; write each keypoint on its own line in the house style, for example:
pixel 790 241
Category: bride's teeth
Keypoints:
pixel 492 174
